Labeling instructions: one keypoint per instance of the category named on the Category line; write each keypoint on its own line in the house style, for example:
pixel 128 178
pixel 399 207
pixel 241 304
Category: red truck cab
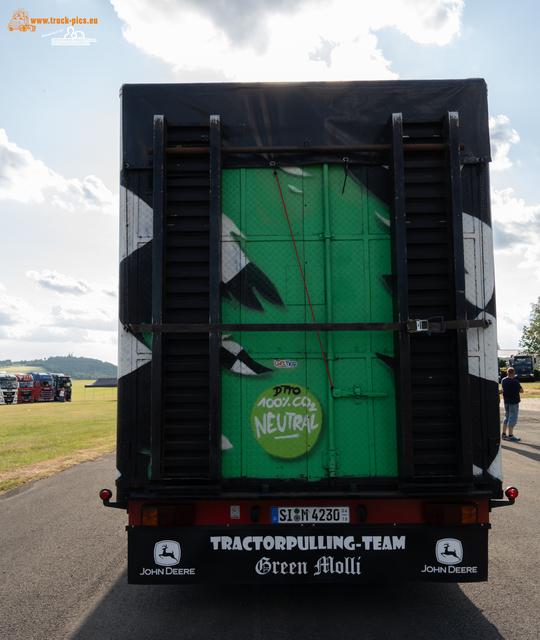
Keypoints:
pixel 27 391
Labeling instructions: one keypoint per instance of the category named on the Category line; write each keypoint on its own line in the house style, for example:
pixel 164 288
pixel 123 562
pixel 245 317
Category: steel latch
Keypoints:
pixel 430 325
pixel 357 394
pixel 421 325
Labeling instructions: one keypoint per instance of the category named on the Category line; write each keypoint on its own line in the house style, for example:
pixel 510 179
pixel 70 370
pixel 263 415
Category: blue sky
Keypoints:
pixel 59 130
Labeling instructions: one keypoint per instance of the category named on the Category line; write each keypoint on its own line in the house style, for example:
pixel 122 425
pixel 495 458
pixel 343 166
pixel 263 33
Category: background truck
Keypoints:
pixel 8 388
pixel 524 366
pixel 44 385
pixel 62 381
pixel 27 391
pixel 308 358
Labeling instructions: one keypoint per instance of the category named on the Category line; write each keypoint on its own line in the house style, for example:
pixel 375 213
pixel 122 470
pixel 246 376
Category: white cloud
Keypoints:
pixel 516 230
pixel 502 138
pixel 88 330
pixel 281 40
pixel 96 319
pixel 22 320
pixel 510 323
pixel 15 312
pixel 513 216
pixel 53 335
pixel 423 21
pixel 25 179
pixel 58 282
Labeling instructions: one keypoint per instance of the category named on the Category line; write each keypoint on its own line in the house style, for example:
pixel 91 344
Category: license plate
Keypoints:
pixel 309 515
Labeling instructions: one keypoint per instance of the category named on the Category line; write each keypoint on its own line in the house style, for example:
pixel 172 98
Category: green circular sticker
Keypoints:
pixel 286 420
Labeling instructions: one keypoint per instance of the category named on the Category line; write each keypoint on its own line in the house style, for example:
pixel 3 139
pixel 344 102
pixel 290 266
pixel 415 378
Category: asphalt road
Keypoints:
pixel 63 577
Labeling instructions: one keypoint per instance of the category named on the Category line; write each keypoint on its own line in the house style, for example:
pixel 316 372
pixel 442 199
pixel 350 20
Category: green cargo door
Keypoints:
pixel 280 418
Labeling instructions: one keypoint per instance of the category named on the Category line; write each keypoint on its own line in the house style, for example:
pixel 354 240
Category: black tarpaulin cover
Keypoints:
pixel 313 114
pixel 103 382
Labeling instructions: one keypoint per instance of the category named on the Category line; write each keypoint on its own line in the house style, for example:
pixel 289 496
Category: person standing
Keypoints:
pixel 61 395
pixel 510 392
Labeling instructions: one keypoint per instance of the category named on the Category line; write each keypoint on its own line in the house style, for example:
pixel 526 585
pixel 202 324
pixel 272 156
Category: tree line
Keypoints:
pixel 77 368
pixel 530 339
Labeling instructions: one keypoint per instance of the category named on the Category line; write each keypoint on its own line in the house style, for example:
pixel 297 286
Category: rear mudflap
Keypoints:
pixel 305 554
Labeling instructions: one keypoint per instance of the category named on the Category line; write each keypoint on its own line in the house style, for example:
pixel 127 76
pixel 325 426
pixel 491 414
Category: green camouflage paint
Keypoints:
pixel 365 427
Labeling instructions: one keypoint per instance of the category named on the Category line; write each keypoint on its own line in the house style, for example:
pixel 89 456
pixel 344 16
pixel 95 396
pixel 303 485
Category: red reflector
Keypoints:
pixel 166 516
pixel 469 514
pixel 434 514
pixel 183 516
pixel 149 516
pixel 512 493
pixel 451 514
pixel 105 494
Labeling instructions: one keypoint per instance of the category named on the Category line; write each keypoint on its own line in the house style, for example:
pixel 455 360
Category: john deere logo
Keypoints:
pixel 449 551
pixel 167 553
pixel 286 420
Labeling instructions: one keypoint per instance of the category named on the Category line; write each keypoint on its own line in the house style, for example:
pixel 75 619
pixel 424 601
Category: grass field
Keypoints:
pixel 531 389
pixel 37 440
pixel 23 369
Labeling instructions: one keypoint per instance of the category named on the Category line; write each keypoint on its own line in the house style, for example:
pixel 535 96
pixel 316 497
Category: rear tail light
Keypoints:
pixel 451 514
pixel 149 516
pixel 166 516
pixel 511 493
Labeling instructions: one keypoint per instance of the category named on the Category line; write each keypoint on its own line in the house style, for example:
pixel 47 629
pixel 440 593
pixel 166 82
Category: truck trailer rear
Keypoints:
pixel 308 383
